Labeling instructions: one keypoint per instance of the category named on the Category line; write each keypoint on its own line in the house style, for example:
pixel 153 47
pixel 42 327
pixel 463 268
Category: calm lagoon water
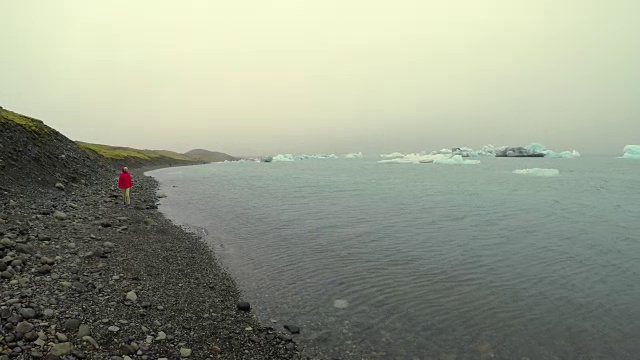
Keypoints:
pixel 427 261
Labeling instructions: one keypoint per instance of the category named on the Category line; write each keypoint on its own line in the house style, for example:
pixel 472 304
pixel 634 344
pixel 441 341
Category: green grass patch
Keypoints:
pixel 118 152
pixel 29 124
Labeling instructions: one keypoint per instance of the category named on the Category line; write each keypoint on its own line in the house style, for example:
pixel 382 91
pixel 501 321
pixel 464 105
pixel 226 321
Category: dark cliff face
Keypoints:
pixel 33 154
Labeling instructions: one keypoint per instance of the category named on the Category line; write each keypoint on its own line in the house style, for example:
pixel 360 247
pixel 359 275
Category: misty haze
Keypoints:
pixel 293 179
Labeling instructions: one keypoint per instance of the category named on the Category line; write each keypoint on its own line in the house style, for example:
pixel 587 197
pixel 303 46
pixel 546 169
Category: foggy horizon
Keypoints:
pixel 262 78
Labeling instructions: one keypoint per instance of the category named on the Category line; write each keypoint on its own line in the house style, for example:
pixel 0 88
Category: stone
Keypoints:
pixel 61 349
pixel 44 269
pixel 62 337
pixel 48 312
pixel 46 261
pixel 91 341
pixel 84 330
pixel 131 296
pixel 16 263
pixel 113 328
pixel 31 336
pixel 72 324
pixel 28 313
pixel 24 327
pixel 292 329
pixel 24 248
pixel 5 313
pixel 6 275
pixel 59 215
pixel 7 242
pixel 161 335
pixel 184 352
pixel 126 349
pixel 60 186
pixel 244 306
pixel 78 286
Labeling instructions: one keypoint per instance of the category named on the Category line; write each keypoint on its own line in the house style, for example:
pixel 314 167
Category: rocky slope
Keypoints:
pixel 82 277
pixel 31 153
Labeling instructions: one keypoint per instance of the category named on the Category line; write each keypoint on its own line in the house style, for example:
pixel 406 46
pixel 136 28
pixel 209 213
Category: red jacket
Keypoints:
pixel 124 182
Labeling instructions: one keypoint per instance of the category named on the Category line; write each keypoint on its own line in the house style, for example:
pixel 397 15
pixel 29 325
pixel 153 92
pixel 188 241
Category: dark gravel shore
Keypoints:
pixel 82 277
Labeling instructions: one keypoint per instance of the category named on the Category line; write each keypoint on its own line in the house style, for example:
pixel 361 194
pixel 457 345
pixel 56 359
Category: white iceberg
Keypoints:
pixel 357 155
pixel 631 152
pixel 415 158
pixel 456 160
pixel 392 155
pixel 537 172
pixel 283 158
pixel 291 157
pixel 539 148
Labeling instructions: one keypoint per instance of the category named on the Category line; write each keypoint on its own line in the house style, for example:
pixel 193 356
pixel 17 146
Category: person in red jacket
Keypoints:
pixel 124 184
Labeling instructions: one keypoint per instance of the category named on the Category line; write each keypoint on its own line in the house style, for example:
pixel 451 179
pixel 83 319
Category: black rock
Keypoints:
pixel 72 324
pixel 126 349
pixel 79 354
pixel 23 248
pixel 292 329
pixel 5 313
pixel 31 336
pixel 244 306
pixel 79 287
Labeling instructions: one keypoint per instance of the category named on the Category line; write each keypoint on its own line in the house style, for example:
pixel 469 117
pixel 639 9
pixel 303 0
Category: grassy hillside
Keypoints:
pixel 31 125
pixel 119 153
pixel 209 156
pixel 118 156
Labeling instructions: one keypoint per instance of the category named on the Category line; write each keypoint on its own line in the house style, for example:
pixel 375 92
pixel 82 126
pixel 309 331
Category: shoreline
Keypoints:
pixel 83 276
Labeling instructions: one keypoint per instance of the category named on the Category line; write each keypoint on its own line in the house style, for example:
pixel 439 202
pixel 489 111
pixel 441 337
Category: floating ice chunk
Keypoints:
pixel 340 304
pixel 487 150
pixel 456 160
pixel 537 172
pixel 415 159
pixel 539 148
pixel 291 157
pixel 392 155
pixel 562 155
pixel 535 148
pixel 631 152
pixel 357 155
pixel 283 158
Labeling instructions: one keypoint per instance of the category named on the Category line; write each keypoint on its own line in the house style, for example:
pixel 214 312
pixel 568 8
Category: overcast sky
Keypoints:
pixel 331 76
